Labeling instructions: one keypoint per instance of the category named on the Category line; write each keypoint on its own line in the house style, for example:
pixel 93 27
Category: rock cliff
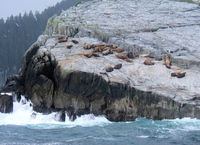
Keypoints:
pixel 88 72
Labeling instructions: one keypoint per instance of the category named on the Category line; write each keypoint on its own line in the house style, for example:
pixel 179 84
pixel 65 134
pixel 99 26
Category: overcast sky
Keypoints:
pixel 14 7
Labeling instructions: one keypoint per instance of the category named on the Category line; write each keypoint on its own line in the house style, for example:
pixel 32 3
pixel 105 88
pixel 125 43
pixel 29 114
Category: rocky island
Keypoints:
pixel 122 59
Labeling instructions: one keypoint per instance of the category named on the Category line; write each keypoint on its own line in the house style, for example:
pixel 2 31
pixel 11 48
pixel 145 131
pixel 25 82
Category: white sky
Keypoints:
pixel 14 7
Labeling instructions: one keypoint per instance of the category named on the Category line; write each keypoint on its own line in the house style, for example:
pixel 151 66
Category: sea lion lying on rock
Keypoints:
pixel 99 49
pixel 132 55
pixel 75 41
pixel 62 39
pixel 178 74
pixel 121 56
pixel 118 50
pixel 89 54
pixel 148 62
pixel 128 60
pixel 118 66
pixel 109 69
pixel 69 46
pixel 87 47
pixel 107 51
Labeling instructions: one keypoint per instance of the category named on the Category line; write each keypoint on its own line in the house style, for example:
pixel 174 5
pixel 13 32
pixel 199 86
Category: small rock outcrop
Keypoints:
pixel 99 66
pixel 6 103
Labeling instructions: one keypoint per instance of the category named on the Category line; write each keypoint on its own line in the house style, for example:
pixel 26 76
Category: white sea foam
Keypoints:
pixel 23 114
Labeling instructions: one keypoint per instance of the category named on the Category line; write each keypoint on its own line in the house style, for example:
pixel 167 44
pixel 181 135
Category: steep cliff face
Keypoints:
pixel 72 74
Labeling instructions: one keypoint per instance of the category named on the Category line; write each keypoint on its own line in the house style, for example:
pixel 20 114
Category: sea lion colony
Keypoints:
pixel 106 49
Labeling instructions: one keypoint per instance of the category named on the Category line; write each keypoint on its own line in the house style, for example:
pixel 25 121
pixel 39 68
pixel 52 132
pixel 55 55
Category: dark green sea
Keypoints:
pixel 22 128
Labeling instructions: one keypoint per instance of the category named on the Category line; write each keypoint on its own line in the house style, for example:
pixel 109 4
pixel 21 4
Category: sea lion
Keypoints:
pixel 111 45
pixel 181 75
pixel 99 48
pixel 168 61
pixel 107 51
pixel 87 54
pixel 118 66
pixel 95 55
pixel 178 74
pixel 75 41
pixel 145 55
pixel 87 47
pixel 109 69
pixel 128 60
pixel 69 46
pixel 118 50
pixel 148 62
pixel 132 55
pixel 63 39
pixel 121 56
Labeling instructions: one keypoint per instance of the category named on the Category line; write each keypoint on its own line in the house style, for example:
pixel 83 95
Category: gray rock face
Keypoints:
pixel 6 103
pixel 143 26
pixel 59 77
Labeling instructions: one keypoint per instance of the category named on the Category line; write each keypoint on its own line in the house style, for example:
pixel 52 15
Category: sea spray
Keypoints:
pixel 23 114
pixel 24 126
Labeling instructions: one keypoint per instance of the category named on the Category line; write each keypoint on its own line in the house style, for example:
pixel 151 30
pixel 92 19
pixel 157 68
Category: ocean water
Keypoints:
pixel 23 128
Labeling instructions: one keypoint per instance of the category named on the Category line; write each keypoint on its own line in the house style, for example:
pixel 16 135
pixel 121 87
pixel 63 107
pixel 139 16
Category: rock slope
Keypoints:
pixel 68 76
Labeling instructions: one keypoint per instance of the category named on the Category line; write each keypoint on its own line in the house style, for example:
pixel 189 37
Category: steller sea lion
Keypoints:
pixel 128 60
pixel 168 61
pixel 132 55
pixel 99 48
pixel 62 39
pixel 118 50
pixel 87 54
pixel 109 69
pixel 118 66
pixel 148 62
pixel 108 51
pixel 75 41
pixel 181 75
pixel 87 47
pixel 121 56
pixel 69 46
pixel 95 55
pixel 178 74
pixel 145 55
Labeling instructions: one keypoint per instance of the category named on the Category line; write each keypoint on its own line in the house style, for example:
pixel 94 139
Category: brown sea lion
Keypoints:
pixel 107 51
pixel 87 54
pixel 109 69
pixel 63 39
pixel 181 75
pixel 178 74
pixel 75 41
pixel 168 61
pixel 87 47
pixel 132 55
pixel 95 55
pixel 145 55
pixel 128 60
pixel 118 66
pixel 121 56
pixel 148 62
pixel 118 50
pixel 69 46
pixel 99 48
